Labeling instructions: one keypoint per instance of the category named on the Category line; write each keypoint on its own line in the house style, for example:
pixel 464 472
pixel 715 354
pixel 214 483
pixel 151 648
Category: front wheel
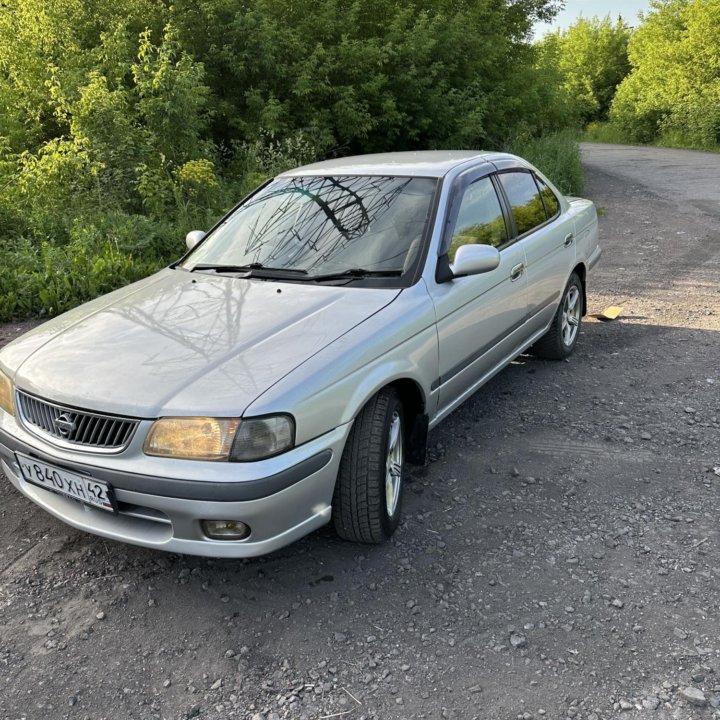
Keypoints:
pixel 368 491
pixel 560 340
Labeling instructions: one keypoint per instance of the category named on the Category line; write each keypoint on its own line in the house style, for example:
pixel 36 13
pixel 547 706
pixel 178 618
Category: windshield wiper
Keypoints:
pixel 259 270
pixel 253 269
pixel 355 273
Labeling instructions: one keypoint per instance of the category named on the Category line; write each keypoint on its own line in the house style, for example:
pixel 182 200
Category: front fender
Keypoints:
pixel 329 389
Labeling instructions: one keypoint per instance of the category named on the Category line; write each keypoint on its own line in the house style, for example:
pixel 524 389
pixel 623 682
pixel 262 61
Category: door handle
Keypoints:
pixel 568 240
pixel 516 272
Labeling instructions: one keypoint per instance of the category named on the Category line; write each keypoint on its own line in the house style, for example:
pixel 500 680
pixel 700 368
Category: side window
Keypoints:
pixel 552 206
pixel 525 203
pixel 480 220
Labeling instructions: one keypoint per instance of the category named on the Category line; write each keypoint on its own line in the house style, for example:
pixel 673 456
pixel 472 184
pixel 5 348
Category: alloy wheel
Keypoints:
pixel 570 315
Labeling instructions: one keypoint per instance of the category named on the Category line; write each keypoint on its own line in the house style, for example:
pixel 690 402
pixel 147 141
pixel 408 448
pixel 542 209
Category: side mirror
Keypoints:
pixel 193 238
pixel 474 259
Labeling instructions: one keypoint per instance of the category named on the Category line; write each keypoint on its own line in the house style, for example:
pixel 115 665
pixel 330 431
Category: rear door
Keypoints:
pixel 546 236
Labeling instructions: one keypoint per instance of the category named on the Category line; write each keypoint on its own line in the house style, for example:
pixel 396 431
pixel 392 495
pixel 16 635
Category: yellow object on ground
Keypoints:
pixel 609 313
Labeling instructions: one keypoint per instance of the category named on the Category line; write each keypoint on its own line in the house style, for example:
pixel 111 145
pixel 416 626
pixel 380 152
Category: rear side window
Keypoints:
pixel 552 206
pixel 480 219
pixel 524 197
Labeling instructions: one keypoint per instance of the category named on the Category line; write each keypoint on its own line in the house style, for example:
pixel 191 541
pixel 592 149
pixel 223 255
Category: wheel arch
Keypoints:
pixel 416 419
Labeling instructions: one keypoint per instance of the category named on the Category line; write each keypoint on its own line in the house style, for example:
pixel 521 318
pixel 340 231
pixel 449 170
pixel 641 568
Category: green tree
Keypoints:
pixel 591 58
pixel 367 75
pixel 673 90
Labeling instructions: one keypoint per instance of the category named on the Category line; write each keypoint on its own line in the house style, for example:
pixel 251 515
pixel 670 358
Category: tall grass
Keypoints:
pixel 605 132
pixel 609 132
pixel 680 139
pixel 557 155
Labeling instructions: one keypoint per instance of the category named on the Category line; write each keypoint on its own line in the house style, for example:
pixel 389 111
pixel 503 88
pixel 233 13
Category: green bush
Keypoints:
pixel 590 59
pixel 604 132
pixel 50 279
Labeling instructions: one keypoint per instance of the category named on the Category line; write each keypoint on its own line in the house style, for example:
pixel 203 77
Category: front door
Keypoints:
pixel 478 317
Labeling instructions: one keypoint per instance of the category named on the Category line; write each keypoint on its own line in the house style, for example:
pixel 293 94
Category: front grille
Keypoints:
pixel 68 426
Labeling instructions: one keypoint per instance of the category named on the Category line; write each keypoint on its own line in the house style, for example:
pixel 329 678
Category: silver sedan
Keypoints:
pixel 281 374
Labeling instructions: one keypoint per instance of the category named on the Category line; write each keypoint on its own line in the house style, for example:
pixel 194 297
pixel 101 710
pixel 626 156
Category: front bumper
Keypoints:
pixel 163 501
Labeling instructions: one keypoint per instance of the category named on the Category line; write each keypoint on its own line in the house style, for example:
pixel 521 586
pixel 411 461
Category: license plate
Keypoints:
pixel 96 493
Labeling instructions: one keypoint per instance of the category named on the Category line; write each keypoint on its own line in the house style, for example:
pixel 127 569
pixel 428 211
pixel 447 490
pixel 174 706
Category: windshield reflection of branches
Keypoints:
pixel 204 319
pixel 322 224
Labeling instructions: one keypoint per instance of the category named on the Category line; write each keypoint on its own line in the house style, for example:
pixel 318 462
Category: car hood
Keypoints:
pixel 185 344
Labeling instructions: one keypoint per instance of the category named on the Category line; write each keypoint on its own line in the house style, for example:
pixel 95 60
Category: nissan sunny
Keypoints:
pixel 280 375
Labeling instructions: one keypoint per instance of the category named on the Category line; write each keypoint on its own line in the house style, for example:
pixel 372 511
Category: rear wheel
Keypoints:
pixel 560 340
pixel 368 491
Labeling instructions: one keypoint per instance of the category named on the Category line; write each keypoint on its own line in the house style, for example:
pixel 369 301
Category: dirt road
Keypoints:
pixel 560 556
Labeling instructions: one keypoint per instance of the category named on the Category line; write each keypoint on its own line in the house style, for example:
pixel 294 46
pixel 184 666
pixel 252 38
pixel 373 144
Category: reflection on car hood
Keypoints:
pixel 185 344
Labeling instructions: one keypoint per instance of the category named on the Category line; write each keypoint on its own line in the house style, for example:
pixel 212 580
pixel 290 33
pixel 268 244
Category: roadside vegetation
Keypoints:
pixel 556 154
pixel 670 94
pixel 123 125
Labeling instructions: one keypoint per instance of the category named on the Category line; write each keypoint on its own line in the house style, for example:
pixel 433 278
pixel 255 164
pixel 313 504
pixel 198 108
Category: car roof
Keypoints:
pixel 425 163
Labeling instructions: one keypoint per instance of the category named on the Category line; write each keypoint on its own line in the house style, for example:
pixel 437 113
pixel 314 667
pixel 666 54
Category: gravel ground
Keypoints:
pixel 559 556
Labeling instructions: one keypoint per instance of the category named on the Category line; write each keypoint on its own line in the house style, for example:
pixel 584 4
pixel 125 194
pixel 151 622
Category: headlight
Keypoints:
pixel 7 400
pixel 192 438
pixel 263 437
pixel 218 439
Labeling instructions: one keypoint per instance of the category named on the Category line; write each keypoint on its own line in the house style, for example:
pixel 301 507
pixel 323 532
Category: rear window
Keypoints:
pixel 524 197
pixel 552 205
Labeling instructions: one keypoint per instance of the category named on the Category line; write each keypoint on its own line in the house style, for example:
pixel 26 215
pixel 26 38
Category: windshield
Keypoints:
pixel 319 226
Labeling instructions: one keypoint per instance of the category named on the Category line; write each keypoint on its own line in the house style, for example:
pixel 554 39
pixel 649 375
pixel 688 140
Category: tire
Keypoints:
pixel 560 340
pixel 362 511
